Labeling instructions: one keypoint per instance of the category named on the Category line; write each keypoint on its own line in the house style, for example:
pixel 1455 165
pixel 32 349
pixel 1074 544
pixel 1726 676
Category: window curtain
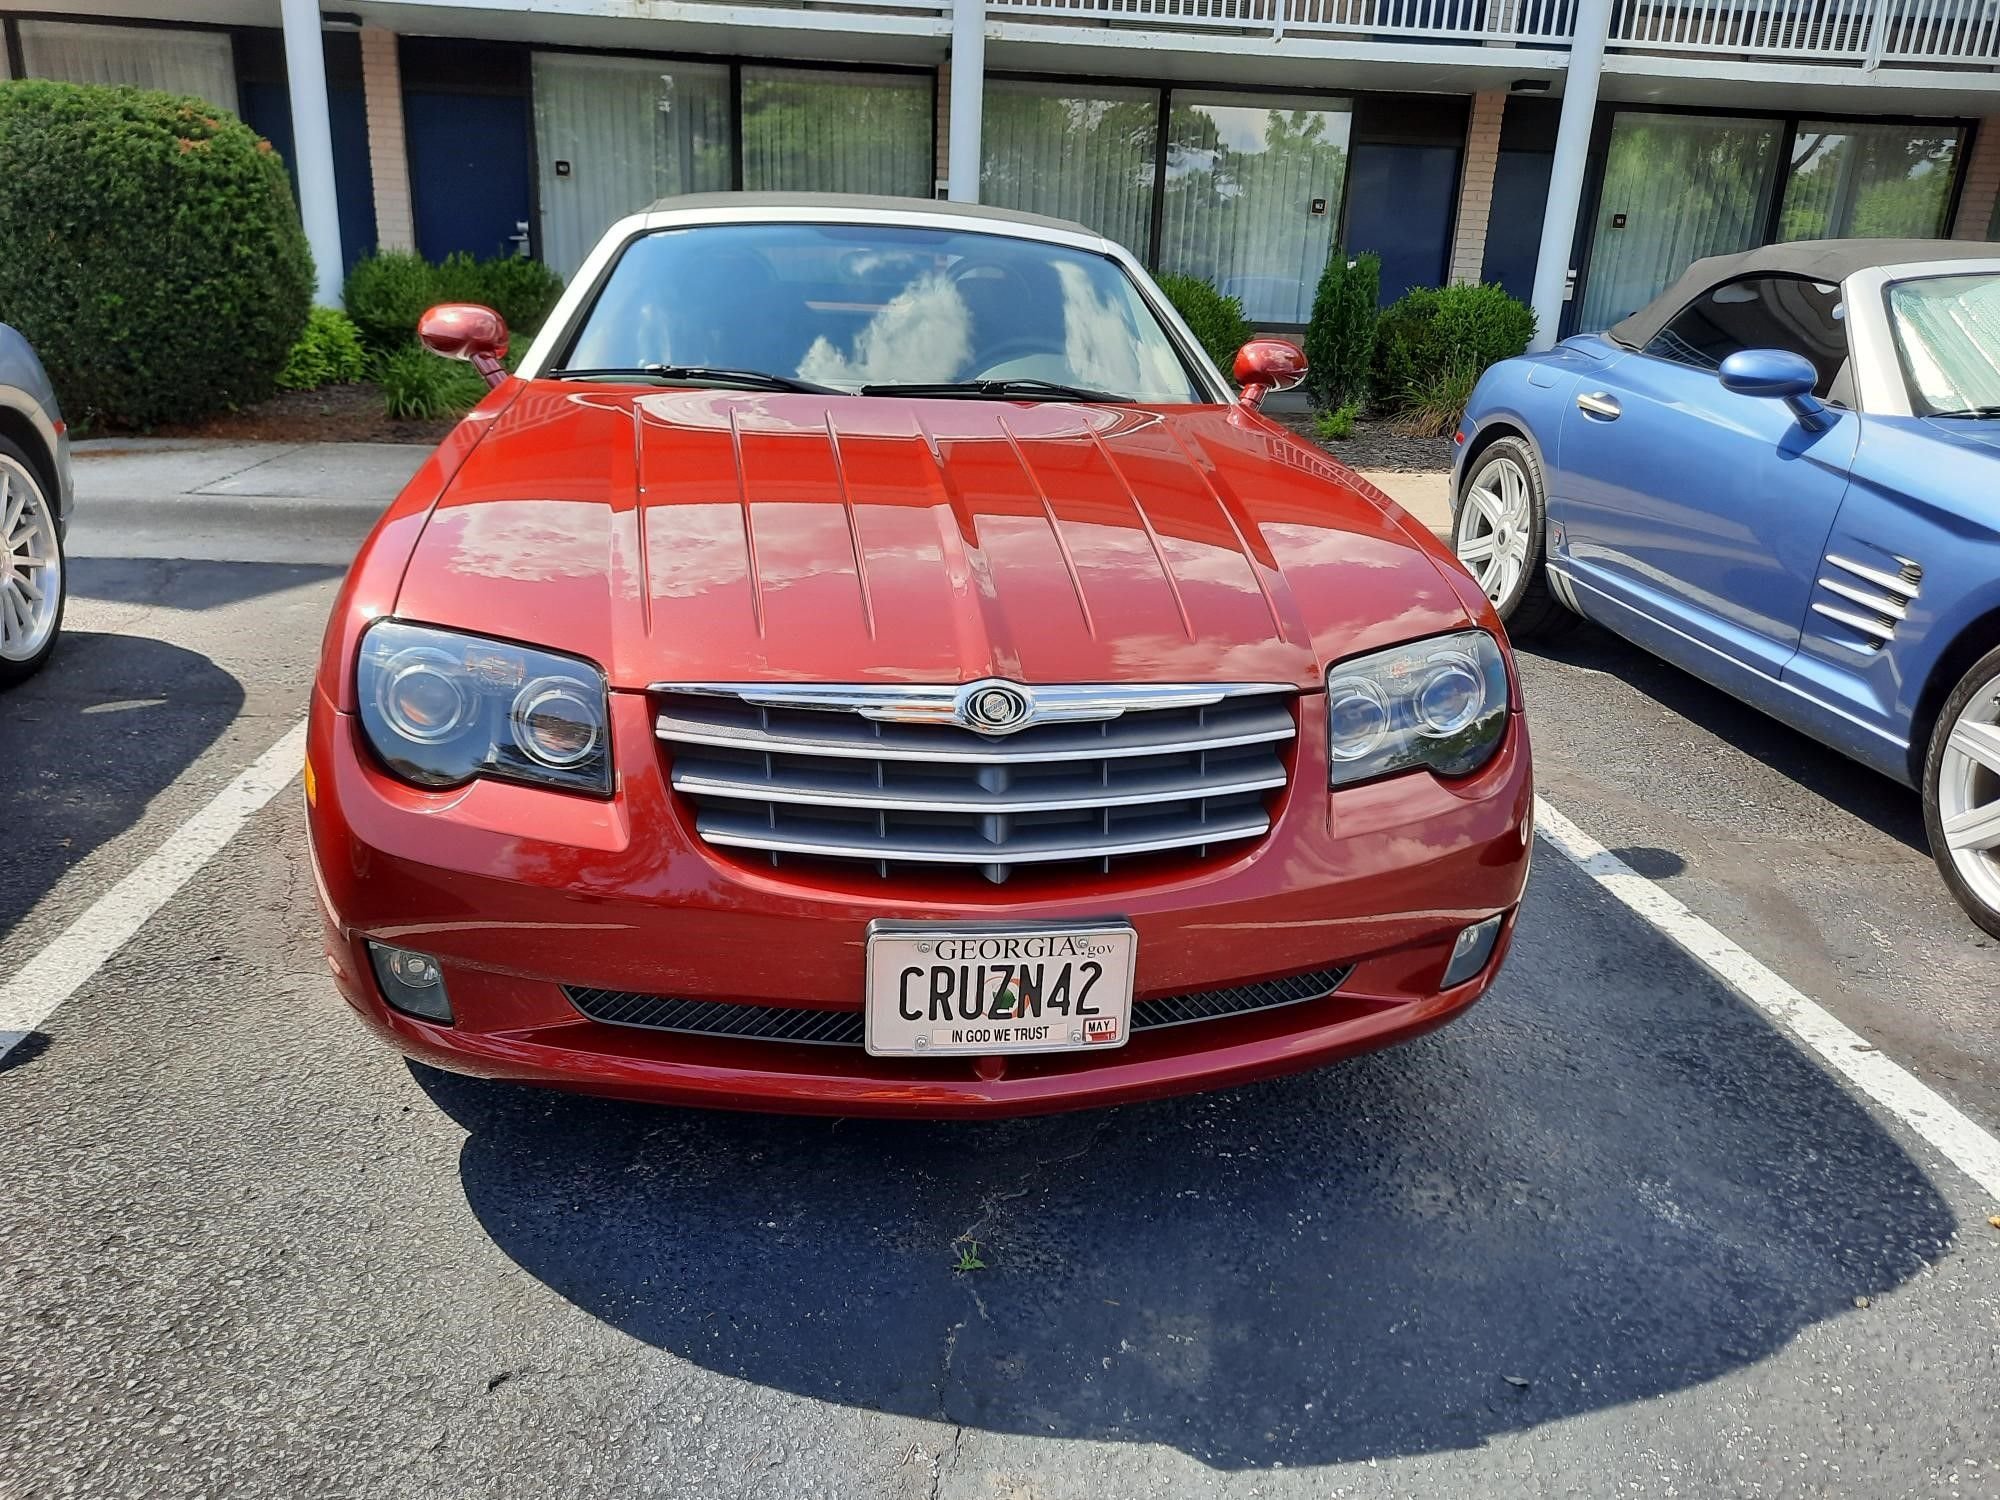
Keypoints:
pixel 1849 179
pixel 201 63
pixel 1076 152
pixel 810 131
pixel 1676 188
pixel 1242 176
pixel 614 133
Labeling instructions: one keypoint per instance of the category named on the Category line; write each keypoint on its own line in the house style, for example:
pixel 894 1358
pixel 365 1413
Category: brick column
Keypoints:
pixel 1475 188
pixel 940 104
pixel 1982 184
pixel 388 155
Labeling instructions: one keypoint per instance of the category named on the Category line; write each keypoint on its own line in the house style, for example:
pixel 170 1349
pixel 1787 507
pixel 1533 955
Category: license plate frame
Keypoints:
pixel 896 947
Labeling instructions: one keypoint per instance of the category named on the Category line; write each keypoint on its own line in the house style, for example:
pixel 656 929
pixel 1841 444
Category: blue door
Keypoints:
pixel 267 106
pixel 469 156
pixel 1399 205
pixel 1695 516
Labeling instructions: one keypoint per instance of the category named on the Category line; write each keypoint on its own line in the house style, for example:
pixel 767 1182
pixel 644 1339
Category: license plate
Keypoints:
pixel 939 990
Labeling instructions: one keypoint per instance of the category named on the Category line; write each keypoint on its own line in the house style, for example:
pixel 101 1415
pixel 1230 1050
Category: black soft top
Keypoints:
pixel 1830 261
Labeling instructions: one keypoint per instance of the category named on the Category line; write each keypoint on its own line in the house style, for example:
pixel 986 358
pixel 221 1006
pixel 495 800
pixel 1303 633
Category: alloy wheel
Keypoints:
pixel 1494 537
pixel 1968 793
pixel 30 566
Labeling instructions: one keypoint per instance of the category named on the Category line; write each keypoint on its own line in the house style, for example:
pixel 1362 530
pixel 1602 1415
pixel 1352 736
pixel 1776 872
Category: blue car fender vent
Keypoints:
pixel 1868 600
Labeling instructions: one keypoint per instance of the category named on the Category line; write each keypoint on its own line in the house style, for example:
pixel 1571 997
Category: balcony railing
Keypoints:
pixel 1948 33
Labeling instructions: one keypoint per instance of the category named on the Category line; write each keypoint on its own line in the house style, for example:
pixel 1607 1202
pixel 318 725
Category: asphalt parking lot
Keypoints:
pixel 1616 1232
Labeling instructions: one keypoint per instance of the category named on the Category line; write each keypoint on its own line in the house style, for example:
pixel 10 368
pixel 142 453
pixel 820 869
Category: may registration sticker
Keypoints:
pixel 941 989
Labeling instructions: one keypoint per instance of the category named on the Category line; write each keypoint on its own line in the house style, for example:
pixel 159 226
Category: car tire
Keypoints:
pixel 1962 792
pixel 1504 532
pixel 28 625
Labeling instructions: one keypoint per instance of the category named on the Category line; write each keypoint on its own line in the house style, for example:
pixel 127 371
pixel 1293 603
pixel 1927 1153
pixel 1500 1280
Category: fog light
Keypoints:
pixel 412 982
pixel 1470 952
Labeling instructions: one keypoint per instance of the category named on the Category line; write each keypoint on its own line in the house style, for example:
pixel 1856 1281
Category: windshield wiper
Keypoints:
pixel 1017 390
pixel 756 379
pixel 1970 411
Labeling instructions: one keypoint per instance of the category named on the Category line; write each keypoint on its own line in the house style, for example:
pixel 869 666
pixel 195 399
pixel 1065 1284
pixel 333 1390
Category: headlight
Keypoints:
pixel 440 708
pixel 1440 703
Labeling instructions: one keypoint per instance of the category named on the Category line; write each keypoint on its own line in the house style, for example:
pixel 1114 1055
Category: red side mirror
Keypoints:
pixel 1265 365
pixel 467 331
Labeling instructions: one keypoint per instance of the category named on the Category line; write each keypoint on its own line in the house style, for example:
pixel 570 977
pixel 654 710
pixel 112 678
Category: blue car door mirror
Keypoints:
pixel 1779 373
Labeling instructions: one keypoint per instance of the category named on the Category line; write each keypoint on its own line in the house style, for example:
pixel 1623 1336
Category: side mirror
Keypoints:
pixel 1776 372
pixel 1266 365
pixel 467 331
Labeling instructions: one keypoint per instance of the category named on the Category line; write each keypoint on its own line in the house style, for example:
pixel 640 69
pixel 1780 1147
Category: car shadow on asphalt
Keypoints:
pixel 1609 1181
pixel 188 583
pixel 1887 806
pixel 86 744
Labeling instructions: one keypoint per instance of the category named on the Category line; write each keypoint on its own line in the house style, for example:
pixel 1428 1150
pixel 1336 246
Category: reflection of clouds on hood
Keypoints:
pixel 529 539
pixel 924 332
pixel 1099 344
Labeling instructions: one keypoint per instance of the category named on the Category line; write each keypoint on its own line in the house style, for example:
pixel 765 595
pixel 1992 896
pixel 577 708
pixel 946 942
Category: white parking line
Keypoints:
pixel 30 997
pixel 1973 1150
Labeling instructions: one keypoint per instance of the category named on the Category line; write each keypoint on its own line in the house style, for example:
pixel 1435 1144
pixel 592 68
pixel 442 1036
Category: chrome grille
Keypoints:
pixel 1868 601
pixel 896 779
pixel 843 1028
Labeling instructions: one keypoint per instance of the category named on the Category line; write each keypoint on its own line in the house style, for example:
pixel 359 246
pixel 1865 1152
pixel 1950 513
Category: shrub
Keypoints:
pixel 1332 426
pixel 1431 404
pixel 418 385
pixel 522 291
pixel 1340 338
pixel 386 293
pixel 329 352
pixel 149 249
pixel 1433 336
pixel 1217 321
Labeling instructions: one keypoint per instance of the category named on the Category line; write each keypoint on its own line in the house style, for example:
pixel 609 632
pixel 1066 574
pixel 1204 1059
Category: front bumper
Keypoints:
pixel 519 891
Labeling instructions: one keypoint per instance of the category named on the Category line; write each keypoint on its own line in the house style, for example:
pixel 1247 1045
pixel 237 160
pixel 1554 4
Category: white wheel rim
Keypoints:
pixel 30 565
pixel 1968 794
pixel 1495 523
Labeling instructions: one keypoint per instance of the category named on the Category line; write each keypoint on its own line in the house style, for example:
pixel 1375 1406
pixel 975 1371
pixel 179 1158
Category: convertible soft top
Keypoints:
pixel 1831 261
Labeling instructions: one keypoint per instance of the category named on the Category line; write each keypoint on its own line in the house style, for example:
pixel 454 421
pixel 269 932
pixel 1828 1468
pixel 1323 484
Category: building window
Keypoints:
pixel 1253 186
pixel 1676 188
pixel 813 131
pixel 179 61
pixel 1868 181
pixel 614 133
pixel 1073 151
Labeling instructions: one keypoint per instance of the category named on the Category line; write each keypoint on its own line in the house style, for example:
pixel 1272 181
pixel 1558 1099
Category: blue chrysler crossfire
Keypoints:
pixel 1783 475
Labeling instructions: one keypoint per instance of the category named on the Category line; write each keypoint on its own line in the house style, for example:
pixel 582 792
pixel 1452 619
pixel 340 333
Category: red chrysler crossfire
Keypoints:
pixel 866 660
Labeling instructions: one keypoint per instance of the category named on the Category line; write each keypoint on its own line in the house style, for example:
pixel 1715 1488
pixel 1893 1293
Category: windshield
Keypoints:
pixel 848 306
pixel 1948 337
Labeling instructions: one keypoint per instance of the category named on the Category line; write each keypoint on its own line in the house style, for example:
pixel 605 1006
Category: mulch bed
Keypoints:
pixel 1375 446
pixel 331 414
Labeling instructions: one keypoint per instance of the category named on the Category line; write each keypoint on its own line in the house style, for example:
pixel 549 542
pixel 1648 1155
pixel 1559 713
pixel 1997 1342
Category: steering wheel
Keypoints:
pixel 1009 350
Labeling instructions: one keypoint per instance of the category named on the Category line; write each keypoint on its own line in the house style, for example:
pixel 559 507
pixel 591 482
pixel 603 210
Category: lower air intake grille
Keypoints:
pixel 843 1028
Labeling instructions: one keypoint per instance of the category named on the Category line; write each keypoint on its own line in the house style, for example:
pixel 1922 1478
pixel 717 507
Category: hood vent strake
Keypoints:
pixel 1870 602
pixel 900 779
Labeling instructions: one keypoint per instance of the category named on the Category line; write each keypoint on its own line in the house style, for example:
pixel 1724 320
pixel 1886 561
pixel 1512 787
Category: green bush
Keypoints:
pixel 1340 338
pixel 1431 404
pixel 387 293
pixel 149 249
pixel 1433 339
pixel 329 352
pixel 1332 426
pixel 418 385
pixel 1217 321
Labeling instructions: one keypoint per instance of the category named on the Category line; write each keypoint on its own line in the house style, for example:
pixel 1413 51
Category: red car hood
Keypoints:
pixel 717 536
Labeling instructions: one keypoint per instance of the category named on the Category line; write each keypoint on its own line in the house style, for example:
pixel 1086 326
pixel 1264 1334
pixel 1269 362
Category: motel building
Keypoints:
pixel 1580 152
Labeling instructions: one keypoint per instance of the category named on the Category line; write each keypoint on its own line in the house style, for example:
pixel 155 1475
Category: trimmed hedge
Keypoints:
pixel 1434 339
pixel 387 293
pixel 1340 338
pixel 149 249
pixel 1217 321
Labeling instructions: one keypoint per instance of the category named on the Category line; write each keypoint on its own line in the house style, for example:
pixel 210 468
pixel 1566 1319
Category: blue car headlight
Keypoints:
pixel 1439 703
pixel 440 708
